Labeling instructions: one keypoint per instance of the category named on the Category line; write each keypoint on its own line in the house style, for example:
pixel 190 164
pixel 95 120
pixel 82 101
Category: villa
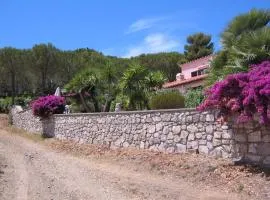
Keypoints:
pixel 192 75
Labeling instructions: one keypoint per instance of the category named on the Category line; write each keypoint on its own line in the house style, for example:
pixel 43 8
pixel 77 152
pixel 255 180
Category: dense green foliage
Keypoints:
pixel 164 62
pixel 137 83
pixel 91 75
pixel 6 103
pixel 194 98
pixel 199 45
pixel 38 71
pixel 245 41
pixel 167 100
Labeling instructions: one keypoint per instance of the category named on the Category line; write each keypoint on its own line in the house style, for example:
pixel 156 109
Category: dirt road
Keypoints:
pixel 31 171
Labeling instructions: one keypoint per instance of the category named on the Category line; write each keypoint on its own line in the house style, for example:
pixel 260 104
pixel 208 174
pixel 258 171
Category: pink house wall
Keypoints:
pixel 195 65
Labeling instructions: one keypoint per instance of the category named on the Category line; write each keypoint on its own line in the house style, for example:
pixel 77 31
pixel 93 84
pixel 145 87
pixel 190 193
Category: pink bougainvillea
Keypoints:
pixel 45 106
pixel 244 94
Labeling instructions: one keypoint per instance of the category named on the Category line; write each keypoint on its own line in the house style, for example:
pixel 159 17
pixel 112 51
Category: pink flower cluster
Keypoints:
pixel 45 106
pixel 244 94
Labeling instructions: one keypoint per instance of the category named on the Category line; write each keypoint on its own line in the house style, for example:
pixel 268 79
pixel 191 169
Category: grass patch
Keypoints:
pixel 32 136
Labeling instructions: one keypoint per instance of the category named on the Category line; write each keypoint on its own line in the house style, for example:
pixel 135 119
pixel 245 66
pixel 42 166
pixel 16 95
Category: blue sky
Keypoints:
pixel 116 27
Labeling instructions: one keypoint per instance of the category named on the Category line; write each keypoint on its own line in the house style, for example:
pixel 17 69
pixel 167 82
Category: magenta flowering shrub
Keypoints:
pixel 48 105
pixel 244 94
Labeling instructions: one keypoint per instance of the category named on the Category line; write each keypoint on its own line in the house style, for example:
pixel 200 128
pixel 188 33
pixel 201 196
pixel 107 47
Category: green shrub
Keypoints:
pixel 193 98
pixel 167 100
pixel 5 104
pixel 23 101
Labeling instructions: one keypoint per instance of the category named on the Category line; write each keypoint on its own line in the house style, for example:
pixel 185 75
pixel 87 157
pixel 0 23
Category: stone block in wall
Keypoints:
pixel 189 119
pixel 216 152
pixel 202 142
pixel 266 161
pixel 254 136
pixel 184 134
pixel 181 148
pixel 141 145
pixel 224 127
pixel 192 128
pixel 198 135
pixel 209 137
pixel 176 130
pixel 170 136
pixel 266 138
pixel 192 144
pixel 240 137
pixel 166 130
pixel 191 137
pixel 157 119
pixel 217 134
pixel 196 118
pixel 227 134
pixel 241 148
pixel 159 126
pixel 209 145
pixel 202 117
pixel 152 129
pixel 203 149
pixel 264 149
pixel 265 130
pixel 216 142
pixel 165 117
pixel 252 148
pixel 253 158
pixel 226 141
pixel 210 118
pixel 177 138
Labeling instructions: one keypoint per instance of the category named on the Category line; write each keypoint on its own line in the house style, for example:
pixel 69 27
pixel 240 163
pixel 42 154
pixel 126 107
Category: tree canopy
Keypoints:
pixel 198 45
pixel 245 41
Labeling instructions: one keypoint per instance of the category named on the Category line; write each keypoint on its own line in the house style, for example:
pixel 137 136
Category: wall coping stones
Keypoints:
pixel 182 110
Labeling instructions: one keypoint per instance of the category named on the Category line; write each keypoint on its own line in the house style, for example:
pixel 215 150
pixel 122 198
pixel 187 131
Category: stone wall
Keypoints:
pixel 24 119
pixel 252 142
pixel 172 131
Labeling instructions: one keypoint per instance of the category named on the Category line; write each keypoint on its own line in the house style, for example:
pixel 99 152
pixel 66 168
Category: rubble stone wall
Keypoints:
pixel 24 119
pixel 252 142
pixel 172 131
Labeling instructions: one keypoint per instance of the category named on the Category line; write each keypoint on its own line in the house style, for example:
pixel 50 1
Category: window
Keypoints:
pixel 193 74
pixel 198 72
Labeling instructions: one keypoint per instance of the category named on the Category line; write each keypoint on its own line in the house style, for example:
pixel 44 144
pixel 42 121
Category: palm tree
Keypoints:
pixel 245 23
pixel 137 82
pixel 85 83
pixel 245 41
pixel 108 84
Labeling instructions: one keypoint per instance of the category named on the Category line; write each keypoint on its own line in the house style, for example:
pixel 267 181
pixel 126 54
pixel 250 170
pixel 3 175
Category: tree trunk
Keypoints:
pixel 13 88
pixel 95 102
pixel 83 102
pixel 107 105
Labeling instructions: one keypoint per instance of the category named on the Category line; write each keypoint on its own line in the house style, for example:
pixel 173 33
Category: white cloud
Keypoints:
pixel 153 43
pixel 143 24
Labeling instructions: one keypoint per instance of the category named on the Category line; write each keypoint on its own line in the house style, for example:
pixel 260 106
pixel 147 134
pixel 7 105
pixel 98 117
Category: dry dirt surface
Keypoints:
pixel 32 168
